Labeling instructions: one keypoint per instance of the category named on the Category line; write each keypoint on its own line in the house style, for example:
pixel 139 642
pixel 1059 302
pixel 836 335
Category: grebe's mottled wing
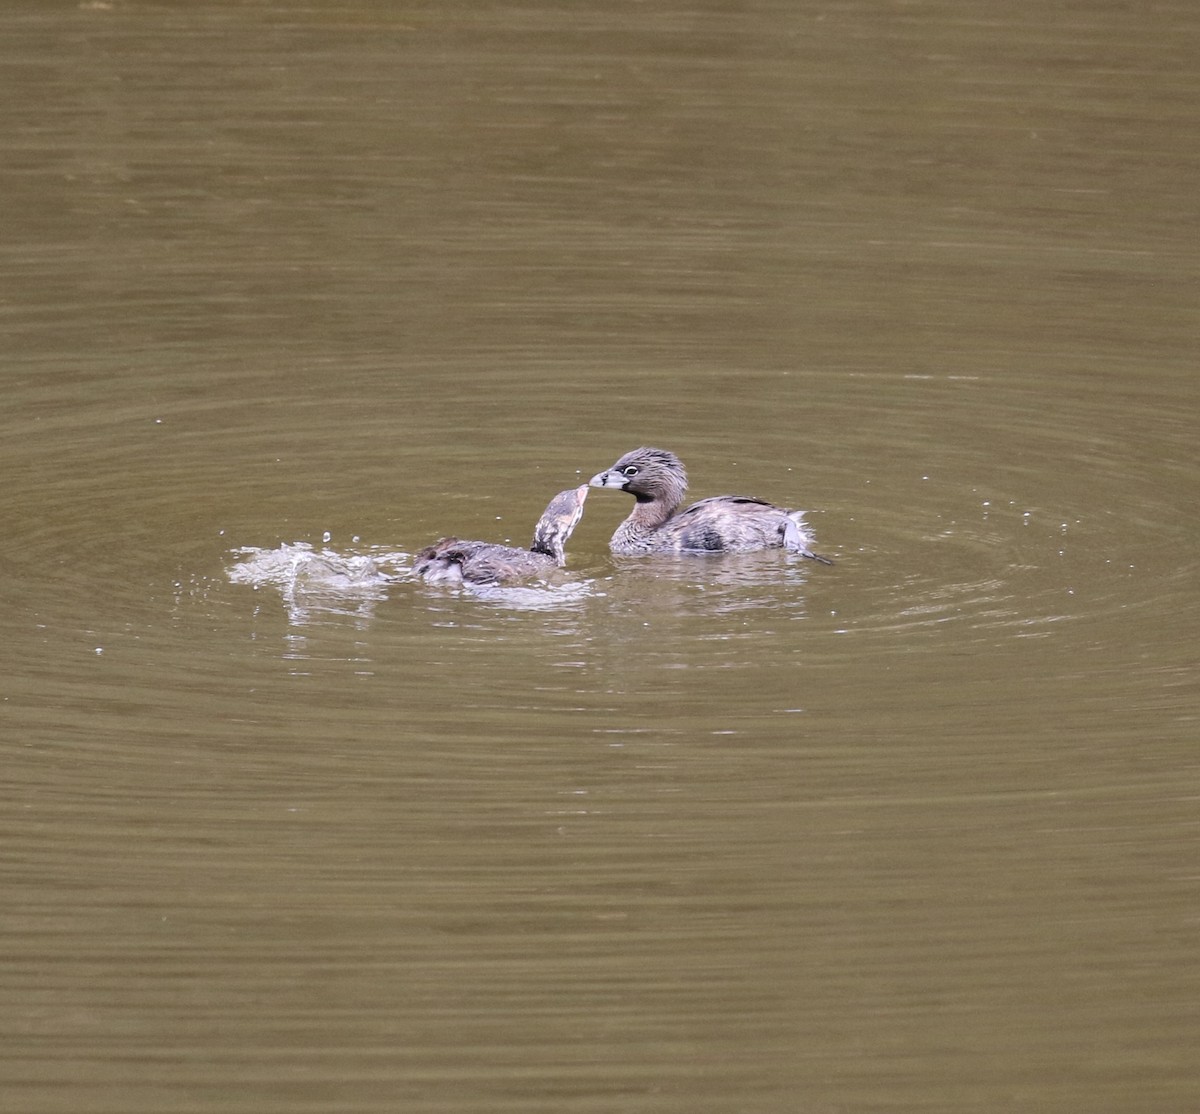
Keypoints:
pixel 451 561
pixel 739 524
pixel 725 523
pixel 504 564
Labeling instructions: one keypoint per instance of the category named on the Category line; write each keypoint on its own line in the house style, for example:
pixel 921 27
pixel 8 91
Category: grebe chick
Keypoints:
pixel 722 523
pixel 452 561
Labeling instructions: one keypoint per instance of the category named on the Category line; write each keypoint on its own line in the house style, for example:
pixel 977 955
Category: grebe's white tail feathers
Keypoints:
pixel 796 539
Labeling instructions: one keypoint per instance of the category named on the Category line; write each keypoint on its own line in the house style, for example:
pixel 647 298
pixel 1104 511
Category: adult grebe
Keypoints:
pixel 722 523
pixel 452 561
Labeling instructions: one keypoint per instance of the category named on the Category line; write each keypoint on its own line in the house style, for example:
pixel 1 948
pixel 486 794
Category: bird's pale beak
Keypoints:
pixel 610 478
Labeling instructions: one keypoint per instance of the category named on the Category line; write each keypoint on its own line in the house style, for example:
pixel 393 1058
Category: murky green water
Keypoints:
pixel 915 832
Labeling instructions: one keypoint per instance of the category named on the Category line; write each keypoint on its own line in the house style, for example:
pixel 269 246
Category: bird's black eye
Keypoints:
pixel 629 470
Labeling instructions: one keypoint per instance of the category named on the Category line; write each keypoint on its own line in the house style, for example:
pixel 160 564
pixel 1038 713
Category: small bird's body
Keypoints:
pixel 454 561
pixel 721 524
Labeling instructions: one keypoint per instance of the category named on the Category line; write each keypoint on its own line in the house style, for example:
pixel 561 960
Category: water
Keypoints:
pixel 292 291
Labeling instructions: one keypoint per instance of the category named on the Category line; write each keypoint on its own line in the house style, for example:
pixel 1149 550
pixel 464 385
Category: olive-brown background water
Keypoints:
pixel 915 832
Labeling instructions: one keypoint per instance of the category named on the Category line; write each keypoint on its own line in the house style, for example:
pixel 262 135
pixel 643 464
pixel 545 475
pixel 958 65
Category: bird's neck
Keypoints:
pixel 638 529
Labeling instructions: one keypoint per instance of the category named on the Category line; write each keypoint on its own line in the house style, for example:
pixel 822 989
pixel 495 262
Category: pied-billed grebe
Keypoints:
pixel 722 523
pixel 452 561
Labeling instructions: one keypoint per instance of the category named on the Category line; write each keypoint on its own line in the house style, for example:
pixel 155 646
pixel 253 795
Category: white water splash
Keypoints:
pixel 312 581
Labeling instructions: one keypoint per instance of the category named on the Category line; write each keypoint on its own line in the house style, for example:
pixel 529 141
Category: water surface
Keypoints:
pixel 294 290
